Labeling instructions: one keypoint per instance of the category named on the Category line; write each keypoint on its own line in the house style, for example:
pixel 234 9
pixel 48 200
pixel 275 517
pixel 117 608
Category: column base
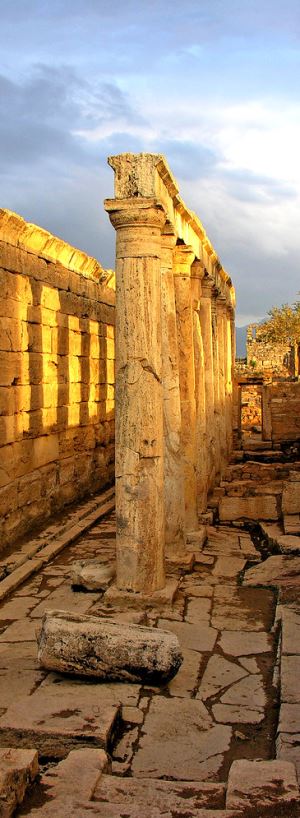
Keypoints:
pixel 138 599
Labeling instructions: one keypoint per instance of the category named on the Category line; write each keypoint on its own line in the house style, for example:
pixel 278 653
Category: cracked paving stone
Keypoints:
pixel 289 718
pixel 189 748
pixel 242 703
pixel 219 674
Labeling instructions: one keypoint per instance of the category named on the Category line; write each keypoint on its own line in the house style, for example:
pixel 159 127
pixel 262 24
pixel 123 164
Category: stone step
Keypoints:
pixel 291 523
pixel 55 721
pixel 18 769
pixel 287 543
pixel 184 797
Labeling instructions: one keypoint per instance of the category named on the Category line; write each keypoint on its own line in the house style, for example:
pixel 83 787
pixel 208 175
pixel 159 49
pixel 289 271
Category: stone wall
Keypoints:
pixel 56 375
pixel 281 412
pixel 265 356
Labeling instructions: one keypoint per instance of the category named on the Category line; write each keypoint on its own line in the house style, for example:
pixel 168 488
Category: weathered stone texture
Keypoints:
pixel 98 648
pixel 56 375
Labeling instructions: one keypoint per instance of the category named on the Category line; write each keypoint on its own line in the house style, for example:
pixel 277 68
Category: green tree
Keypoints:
pixel 283 326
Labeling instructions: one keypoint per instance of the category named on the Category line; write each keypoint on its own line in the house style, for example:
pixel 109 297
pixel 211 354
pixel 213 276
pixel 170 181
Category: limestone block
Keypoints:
pixel 18 768
pixel 291 497
pixel 77 775
pixel 45 450
pixel 250 508
pixel 168 797
pixel 94 647
pixel 7 400
pixel 11 367
pixel 278 570
pixel 261 784
pixel 91 574
pixel 8 499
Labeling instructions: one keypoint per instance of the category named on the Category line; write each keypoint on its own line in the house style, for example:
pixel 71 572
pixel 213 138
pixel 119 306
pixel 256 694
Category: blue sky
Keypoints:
pixel 212 85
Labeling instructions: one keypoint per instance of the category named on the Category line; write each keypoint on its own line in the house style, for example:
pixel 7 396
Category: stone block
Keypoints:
pixel 278 571
pixel 94 647
pixel 291 497
pixel 78 775
pixel 261 784
pixel 92 575
pixel 18 769
pixel 249 508
pixel 55 725
pixel 162 795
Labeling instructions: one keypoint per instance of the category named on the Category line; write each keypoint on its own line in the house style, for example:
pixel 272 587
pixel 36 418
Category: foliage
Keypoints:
pixel 283 325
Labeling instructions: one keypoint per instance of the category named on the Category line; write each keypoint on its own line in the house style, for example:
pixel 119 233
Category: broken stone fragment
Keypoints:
pixel 90 646
pixel 91 575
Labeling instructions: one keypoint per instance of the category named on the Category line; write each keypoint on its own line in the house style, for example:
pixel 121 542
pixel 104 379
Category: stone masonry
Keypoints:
pixel 56 375
pixel 173 368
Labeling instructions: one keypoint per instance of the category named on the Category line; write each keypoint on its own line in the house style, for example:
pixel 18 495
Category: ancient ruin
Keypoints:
pixel 149 615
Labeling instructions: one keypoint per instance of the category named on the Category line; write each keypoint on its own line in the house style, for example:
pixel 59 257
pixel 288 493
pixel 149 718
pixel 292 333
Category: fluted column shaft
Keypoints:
pixel 199 358
pixel 183 258
pixel 139 395
pixel 173 467
pixel 206 328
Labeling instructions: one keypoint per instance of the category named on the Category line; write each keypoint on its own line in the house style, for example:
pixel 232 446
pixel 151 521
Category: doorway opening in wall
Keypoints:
pixel 251 410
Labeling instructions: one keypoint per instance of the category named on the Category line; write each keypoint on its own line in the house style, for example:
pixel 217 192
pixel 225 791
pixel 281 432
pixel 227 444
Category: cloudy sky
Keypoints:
pixel 212 84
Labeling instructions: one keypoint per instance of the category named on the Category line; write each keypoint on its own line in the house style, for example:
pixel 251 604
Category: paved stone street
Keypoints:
pixel 149 751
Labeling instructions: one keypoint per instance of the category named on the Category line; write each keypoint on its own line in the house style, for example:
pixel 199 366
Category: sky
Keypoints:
pixel 211 84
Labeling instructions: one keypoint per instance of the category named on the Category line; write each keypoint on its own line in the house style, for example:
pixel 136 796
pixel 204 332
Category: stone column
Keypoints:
pixel 229 370
pixel 216 380
pixel 183 258
pixel 139 394
pixel 201 436
pixel 206 329
pixel 173 467
pixel 222 334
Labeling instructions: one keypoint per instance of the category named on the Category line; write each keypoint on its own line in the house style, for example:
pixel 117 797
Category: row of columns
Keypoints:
pixel 173 390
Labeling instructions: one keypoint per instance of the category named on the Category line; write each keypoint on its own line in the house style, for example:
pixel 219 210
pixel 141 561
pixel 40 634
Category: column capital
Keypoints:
pixel 139 223
pixel 183 258
pixel 221 302
pixel 139 212
pixel 207 287
pixel 198 269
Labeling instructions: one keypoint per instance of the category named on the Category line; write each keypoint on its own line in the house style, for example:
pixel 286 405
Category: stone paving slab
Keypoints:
pixel 164 795
pixel 261 784
pixel 185 681
pixel 56 724
pixel 200 637
pixel 219 674
pixel 290 622
pixel 191 748
pixel 245 643
pixel 290 675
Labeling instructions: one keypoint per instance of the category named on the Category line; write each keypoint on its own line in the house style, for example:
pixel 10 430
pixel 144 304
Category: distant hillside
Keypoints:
pixel 241 335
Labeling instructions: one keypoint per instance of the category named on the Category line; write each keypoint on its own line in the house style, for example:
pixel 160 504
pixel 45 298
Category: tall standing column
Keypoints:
pixel 183 258
pixel 229 378
pixel 139 394
pixel 216 368
pixel 222 337
pixel 173 468
pixel 206 329
pixel 199 358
